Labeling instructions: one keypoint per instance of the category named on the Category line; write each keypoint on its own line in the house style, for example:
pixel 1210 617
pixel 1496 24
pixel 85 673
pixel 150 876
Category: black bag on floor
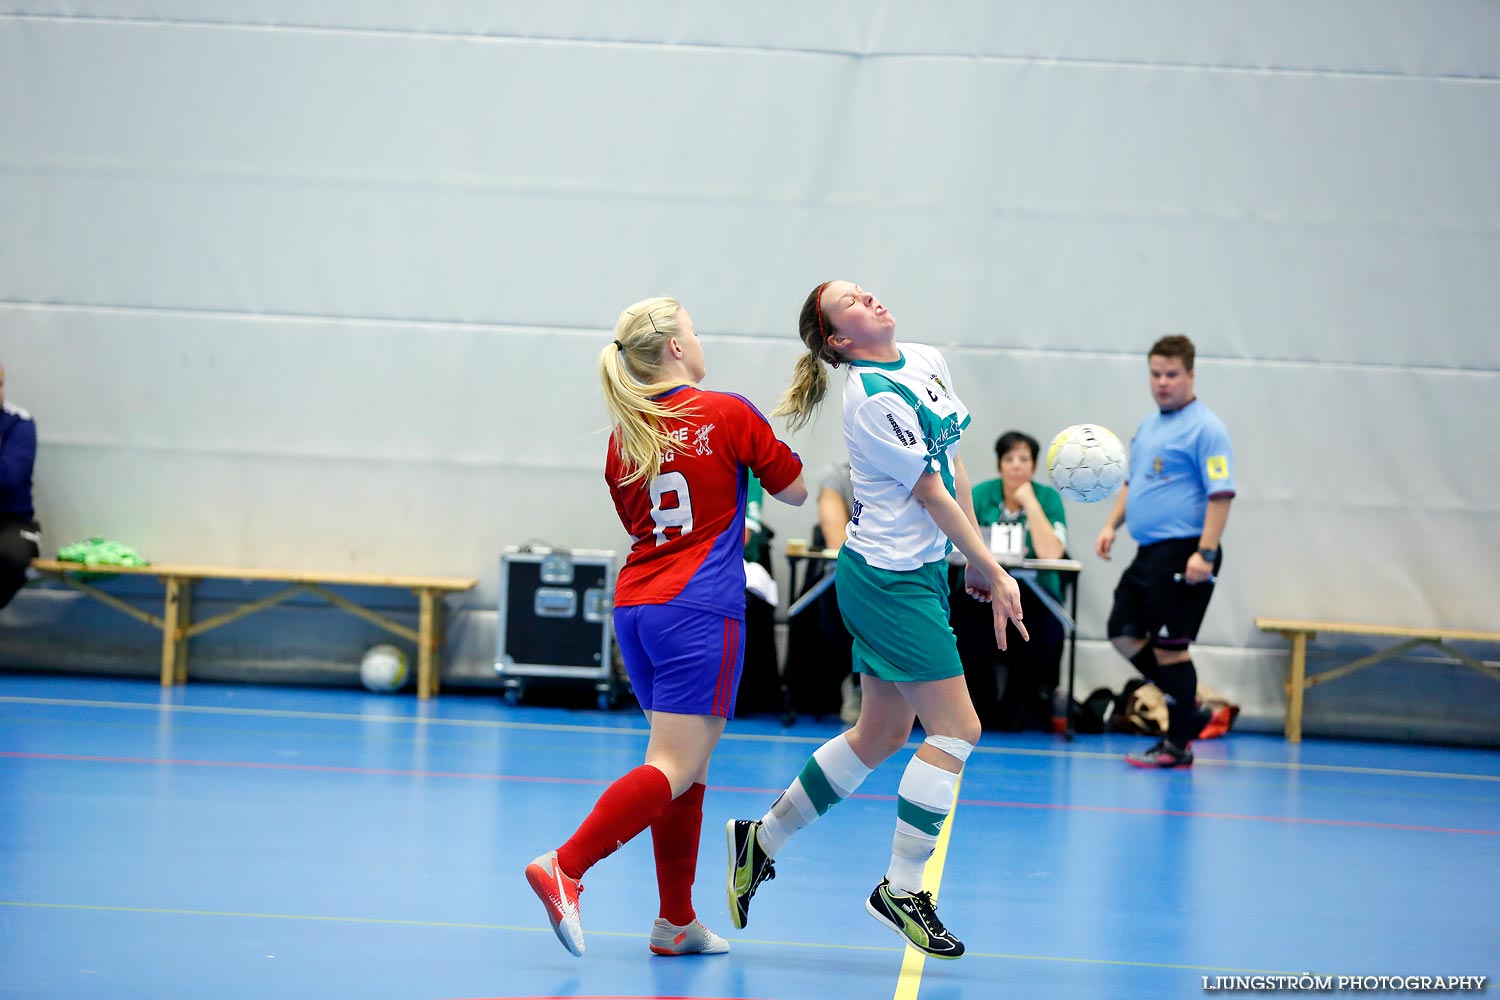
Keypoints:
pixel 1093 713
pixel 1139 708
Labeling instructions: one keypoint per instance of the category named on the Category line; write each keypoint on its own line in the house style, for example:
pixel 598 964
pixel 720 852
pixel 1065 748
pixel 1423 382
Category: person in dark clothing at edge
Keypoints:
pixel 19 534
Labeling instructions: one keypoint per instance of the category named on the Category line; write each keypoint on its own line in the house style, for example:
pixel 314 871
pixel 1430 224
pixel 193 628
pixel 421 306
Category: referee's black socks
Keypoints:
pixel 1145 662
pixel 1179 682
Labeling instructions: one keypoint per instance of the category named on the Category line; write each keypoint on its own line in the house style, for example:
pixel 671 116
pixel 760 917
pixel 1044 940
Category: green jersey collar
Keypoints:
pixel 888 366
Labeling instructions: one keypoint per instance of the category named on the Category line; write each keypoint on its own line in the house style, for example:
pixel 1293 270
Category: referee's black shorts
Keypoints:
pixel 1150 604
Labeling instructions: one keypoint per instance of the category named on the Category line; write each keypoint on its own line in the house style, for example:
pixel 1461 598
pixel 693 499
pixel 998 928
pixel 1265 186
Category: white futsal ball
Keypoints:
pixel 383 668
pixel 1087 463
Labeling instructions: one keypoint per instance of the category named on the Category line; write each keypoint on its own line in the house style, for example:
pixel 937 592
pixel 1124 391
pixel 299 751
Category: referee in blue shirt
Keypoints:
pixel 1175 504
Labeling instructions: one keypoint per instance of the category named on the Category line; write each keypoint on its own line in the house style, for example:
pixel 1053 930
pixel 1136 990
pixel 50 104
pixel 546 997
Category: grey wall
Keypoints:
pixel 322 287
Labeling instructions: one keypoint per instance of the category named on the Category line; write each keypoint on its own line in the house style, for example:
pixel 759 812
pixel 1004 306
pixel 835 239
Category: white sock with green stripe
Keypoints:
pixel 924 800
pixel 829 777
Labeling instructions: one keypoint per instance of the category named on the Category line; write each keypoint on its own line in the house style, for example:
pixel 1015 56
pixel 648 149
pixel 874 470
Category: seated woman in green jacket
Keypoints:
pixel 1020 519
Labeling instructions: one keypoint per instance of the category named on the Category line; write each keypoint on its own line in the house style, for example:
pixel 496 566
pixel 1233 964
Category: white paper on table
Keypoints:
pixel 759 582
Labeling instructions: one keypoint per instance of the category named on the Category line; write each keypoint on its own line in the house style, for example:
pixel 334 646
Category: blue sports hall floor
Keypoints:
pixel 228 841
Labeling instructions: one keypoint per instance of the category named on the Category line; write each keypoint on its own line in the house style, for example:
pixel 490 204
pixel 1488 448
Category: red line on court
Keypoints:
pixel 985 803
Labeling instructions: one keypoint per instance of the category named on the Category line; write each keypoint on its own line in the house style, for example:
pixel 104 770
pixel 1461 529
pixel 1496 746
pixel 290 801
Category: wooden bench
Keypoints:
pixel 177 627
pixel 1299 633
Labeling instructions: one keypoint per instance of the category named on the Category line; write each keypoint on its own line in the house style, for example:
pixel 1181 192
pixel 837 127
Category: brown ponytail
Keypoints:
pixel 809 378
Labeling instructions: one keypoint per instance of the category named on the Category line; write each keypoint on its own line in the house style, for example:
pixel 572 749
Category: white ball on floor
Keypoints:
pixel 383 668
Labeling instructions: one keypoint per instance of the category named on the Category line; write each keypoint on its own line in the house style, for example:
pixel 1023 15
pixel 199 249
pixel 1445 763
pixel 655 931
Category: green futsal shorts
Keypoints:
pixel 899 620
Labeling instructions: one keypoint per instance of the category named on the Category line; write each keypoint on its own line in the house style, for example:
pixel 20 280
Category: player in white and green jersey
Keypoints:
pixel 901 420
pixel 912 503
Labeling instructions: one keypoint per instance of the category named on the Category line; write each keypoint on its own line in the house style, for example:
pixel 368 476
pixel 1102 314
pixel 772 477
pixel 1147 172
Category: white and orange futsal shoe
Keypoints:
pixel 559 895
pixel 689 939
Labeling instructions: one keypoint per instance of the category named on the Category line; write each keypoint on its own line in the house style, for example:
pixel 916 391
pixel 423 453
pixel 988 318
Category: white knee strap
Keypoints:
pixel 952 746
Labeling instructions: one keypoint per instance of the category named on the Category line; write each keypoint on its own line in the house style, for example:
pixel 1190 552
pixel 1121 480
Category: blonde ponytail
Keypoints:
pixel 630 372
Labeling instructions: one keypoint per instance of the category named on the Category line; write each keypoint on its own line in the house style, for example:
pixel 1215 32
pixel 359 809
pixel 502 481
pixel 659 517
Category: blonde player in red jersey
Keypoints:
pixel 677 467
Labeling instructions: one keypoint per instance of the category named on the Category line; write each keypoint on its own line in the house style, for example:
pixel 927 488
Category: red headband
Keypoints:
pixel 818 308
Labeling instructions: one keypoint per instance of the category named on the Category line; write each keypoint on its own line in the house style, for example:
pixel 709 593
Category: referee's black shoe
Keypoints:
pixel 1164 754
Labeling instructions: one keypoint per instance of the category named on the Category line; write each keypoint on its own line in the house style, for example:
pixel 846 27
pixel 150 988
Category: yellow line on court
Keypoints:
pixel 932 878
pixel 642 731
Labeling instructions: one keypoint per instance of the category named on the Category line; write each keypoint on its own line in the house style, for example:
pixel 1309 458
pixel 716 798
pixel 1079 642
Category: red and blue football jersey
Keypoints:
pixel 689 521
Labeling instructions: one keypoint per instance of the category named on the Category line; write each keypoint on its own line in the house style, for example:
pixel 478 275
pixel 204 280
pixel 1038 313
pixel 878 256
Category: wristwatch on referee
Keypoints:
pixel 1208 555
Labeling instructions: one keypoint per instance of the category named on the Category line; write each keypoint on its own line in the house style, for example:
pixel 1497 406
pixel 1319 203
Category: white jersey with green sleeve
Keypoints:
pixel 902 419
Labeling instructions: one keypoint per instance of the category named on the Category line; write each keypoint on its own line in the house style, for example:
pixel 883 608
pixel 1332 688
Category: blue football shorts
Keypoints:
pixel 682 660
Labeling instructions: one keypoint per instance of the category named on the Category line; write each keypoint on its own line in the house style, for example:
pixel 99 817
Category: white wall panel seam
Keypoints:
pixel 599 330
pixel 260 316
pixel 777 339
pixel 594 191
pixel 886 55
pixel 1302 364
pixel 345 457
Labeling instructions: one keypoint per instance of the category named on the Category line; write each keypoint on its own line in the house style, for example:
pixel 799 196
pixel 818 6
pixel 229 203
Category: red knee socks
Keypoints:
pixel 674 836
pixel 626 808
